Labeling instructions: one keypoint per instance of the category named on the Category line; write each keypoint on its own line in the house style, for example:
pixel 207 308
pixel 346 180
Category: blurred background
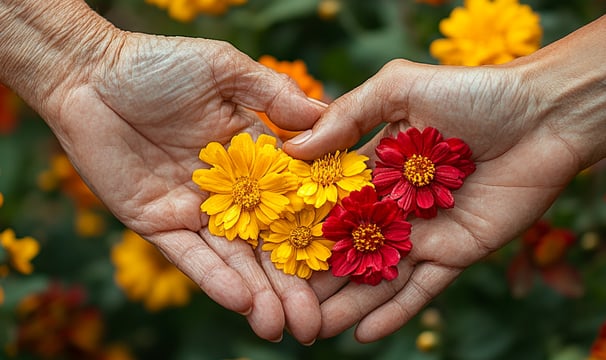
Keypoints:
pixel 74 284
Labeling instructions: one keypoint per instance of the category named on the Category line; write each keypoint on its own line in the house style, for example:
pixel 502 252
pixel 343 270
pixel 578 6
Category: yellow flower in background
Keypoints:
pixel 331 177
pixel 247 185
pixel 144 274
pixel 187 10
pixel 296 70
pixel 296 242
pixel 485 32
pixel 20 251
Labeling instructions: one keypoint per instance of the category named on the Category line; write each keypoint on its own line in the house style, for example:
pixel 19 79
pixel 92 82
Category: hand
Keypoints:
pixel 134 128
pixel 528 141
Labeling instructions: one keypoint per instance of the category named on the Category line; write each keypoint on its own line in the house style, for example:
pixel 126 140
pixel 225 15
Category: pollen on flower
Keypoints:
pixel 300 237
pixel 246 193
pixel 367 238
pixel 327 170
pixel 419 170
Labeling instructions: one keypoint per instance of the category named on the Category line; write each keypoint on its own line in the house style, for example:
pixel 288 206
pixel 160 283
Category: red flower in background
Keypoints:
pixel 598 349
pixel 420 169
pixel 8 110
pixel 57 323
pixel 371 237
pixel 543 252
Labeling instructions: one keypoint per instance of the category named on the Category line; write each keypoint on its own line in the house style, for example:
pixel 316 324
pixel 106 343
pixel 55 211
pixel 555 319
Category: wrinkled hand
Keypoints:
pixel 134 129
pixel 522 165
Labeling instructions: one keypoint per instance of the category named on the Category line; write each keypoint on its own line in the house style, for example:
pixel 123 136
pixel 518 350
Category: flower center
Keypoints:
pixel 246 192
pixel 419 170
pixel 300 237
pixel 327 170
pixel 367 238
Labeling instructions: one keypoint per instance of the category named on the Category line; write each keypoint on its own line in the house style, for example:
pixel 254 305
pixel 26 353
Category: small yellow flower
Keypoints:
pixel 331 177
pixel 487 32
pixel 20 251
pixel 296 242
pixel 1 199
pixel 89 223
pixel 145 275
pixel 247 185
pixel 187 10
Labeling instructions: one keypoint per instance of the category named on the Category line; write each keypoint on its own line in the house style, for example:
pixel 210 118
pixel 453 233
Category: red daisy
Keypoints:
pixel 598 349
pixel 420 169
pixel 371 237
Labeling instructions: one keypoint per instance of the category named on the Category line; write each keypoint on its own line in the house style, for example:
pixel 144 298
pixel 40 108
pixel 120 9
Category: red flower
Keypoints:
pixel 419 170
pixel 598 349
pixel 371 237
pixel 8 110
pixel 543 252
pixel 57 323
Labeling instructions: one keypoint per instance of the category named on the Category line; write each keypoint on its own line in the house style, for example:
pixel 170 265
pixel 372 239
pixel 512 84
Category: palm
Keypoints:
pixel 517 178
pixel 134 133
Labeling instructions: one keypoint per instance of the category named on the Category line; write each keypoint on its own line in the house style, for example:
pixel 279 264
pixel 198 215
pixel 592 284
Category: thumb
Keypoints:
pixel 382 98
pixel 260 88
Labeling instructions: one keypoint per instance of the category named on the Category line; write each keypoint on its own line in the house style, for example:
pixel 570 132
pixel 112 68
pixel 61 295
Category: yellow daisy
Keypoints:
pixel 144 274
pixel 20 251
pixel 296 242
pixel 247 185
pixel 331 177
pixel 485 32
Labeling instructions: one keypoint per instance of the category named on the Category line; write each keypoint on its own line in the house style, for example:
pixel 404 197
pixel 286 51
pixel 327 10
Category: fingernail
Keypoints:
pixel 278 339
pixel 309 343
pixel 246 312
pixel 318 102
pixel 301 138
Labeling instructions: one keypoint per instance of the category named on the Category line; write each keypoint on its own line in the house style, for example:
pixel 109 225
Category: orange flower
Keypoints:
pixel 543 252
pixel 62 175
pixel 297 70
pixel 598 349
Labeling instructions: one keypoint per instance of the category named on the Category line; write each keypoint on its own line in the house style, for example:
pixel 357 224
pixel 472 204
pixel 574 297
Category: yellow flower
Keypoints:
pixel 331 178
pixel 1 199
pixel 296 70
pixel 296 242
pixel 247 185
pixel 145 275
pixel 487 32
pixel 20 251
pixel 187 10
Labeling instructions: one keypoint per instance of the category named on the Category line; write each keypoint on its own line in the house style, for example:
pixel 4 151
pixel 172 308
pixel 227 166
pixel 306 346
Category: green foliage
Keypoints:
pixel 480 318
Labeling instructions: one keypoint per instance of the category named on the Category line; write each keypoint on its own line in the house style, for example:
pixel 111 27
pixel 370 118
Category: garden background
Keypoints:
pixel 73 304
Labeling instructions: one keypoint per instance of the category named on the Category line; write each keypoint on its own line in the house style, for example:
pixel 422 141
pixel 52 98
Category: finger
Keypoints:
pixel 354 301
pixel 426 281
pixel 382 98
pixel 325 284
pixel 188 251
pixel 266 317
pixel 300 304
